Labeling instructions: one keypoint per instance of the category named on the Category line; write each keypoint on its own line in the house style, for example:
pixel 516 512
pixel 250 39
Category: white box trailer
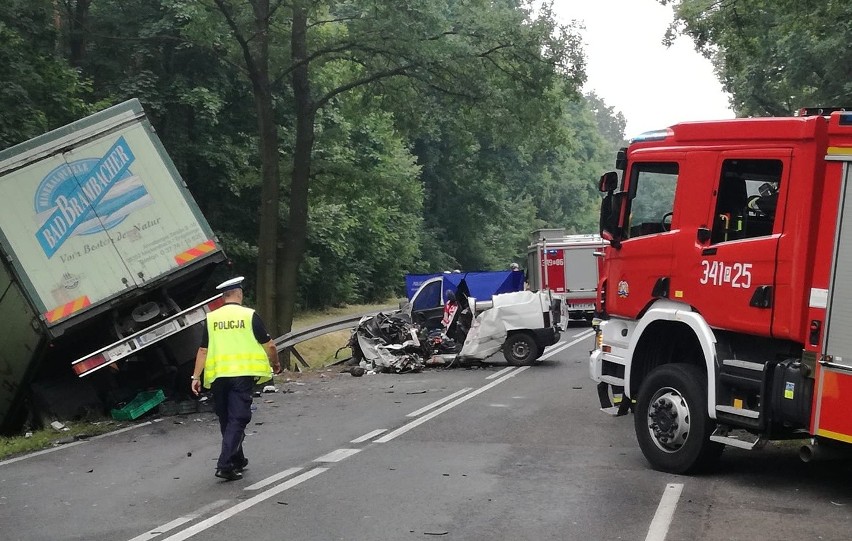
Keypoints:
pixel 567 266
pixel 104 253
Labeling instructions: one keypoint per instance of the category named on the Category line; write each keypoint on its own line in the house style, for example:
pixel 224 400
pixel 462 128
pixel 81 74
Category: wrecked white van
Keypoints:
pixel 521 323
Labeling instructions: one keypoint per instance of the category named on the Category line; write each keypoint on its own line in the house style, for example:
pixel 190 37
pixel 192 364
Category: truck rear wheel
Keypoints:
pixel 520 349
pixel 671 421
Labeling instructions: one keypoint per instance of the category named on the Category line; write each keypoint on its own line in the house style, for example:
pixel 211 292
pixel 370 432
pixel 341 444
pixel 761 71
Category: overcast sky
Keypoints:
pixel 653 86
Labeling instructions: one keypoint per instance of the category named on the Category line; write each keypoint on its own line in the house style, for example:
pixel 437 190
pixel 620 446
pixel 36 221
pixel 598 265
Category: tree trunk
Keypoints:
pixel 270 173
pixel 297 227
pixel 77 32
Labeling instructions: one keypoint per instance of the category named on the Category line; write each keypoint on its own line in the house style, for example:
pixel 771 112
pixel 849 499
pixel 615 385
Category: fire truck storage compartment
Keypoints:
pixel 838 339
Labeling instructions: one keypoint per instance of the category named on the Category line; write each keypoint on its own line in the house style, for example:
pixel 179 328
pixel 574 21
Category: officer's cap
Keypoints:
pixel 233 283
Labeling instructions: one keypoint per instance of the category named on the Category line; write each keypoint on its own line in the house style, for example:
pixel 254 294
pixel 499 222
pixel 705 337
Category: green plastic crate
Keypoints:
pixel 143 403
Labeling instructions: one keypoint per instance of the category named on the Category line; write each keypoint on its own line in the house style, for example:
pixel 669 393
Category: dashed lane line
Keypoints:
pixel 419 421
pixel 242 506
pixel 665 511
pixel 437 403
pixel 273 478
pixel 169 526
pixel 337 455
pixel 369 435
pixel 566 345
pixel 501 372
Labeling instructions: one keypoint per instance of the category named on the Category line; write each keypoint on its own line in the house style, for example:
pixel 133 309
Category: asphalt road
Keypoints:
pixel 496 453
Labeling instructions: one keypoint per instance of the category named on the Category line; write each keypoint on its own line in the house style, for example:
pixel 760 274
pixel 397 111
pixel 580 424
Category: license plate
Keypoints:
pixel 584 306
pixel 158 333
pixel 118 352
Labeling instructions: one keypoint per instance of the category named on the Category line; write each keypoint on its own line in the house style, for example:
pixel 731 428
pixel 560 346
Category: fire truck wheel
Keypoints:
pixel 671 420
pixel 520 349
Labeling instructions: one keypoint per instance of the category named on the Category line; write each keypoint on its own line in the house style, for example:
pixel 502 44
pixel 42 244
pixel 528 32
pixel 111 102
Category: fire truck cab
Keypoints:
pixel 724 295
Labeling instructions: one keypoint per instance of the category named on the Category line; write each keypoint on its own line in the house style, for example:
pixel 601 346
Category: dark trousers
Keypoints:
pixel 232 399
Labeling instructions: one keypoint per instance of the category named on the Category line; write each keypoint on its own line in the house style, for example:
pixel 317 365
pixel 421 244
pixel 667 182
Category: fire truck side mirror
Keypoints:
pixel 621 159
pixel 610 212
pixel 608 182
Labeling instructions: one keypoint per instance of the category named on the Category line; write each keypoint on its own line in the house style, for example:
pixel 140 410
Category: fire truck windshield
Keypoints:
pixel 652 190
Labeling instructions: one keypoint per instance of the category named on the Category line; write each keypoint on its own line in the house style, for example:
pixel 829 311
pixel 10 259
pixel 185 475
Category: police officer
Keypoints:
pixel 236 352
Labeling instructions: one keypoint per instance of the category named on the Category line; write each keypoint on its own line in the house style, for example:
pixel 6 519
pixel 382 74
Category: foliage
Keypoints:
pixel 39 91
pixel 441 132
pixel 365 209
pixel 773 56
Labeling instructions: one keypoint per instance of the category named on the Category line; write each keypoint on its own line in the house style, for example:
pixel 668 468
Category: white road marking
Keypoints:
pixel 567 345
pixel 370 435
pixel 501 372
pixel 73 444
pixel 665 511
pixel 272 479
pixel 337 455
pixel 437 403
pixel 242 506
pixel 419 421
pixel 169 526
pixel 660 523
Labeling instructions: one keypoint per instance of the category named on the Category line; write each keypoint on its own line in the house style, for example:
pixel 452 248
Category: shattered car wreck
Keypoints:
pixel 388 343
pixel 520 323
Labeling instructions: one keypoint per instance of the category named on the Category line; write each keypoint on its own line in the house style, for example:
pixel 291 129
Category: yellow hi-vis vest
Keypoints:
pixel 232 349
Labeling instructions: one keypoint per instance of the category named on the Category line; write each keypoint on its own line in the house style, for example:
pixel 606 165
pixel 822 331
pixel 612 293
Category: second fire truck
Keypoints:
pixel 726 293
pixel 567 266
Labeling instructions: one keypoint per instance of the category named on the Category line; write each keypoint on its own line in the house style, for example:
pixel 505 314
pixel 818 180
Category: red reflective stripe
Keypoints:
pixel 67 309
pixel 197 251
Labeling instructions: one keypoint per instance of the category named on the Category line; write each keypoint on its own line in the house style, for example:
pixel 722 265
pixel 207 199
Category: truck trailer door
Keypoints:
pixel 148 216
pixel 60 250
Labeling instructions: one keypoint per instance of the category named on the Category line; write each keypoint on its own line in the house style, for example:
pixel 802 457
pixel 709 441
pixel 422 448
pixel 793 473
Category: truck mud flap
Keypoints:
pixel 612 399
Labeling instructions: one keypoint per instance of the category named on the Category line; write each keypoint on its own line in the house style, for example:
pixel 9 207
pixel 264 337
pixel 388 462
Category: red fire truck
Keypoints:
pixel 726 296
pixel 567 266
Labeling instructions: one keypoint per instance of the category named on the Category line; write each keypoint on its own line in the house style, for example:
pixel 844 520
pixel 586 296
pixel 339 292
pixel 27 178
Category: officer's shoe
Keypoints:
pixel 229 475
pixel 241 465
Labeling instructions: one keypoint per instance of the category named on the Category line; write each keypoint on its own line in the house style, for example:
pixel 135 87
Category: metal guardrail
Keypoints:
pixel 287 342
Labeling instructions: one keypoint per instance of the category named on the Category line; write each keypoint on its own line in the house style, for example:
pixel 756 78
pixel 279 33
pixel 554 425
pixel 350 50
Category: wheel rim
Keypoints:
pixel 520 349
pixel 668 420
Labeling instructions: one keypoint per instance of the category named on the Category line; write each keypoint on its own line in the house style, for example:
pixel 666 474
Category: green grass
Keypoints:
pixel 50 437
pixel 318 352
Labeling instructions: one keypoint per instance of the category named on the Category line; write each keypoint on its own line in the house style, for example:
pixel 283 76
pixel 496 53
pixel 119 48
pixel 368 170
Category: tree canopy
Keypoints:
pixel 773 56
pixel 334 145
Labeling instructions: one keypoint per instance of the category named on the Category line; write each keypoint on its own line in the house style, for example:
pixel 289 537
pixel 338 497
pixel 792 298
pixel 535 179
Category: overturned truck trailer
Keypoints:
pixel 104 256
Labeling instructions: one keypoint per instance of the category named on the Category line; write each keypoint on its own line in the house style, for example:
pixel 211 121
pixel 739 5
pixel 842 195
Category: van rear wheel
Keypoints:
pixel 521 349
